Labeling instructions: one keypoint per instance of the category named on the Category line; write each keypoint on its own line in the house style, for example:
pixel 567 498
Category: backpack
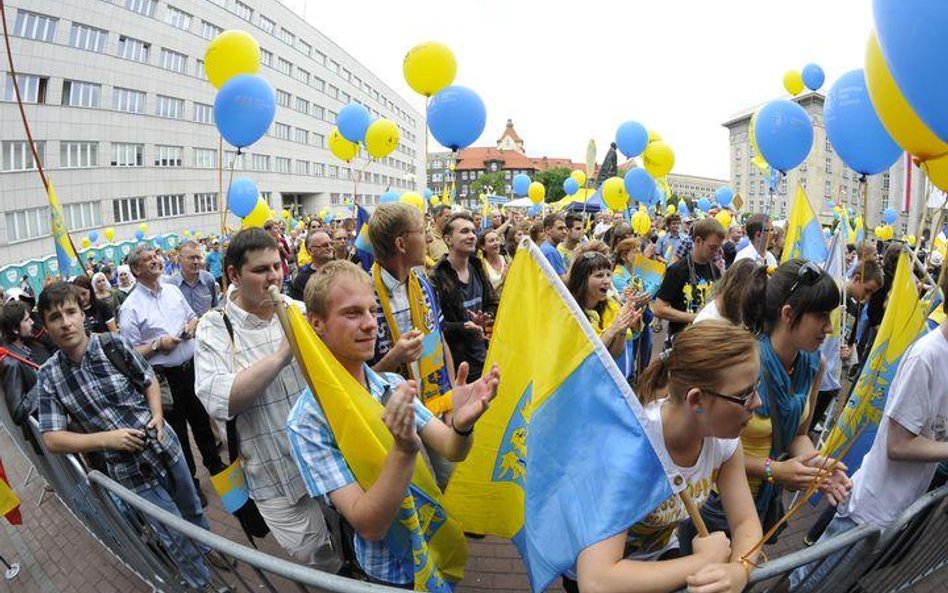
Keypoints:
pixel 118 361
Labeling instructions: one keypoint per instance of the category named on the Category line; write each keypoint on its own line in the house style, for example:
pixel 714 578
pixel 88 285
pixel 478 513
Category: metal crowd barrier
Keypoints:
pixel 886 561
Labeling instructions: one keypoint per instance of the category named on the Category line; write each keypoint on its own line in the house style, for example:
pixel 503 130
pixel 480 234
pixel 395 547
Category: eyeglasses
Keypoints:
pixel 743 399
pixel 808 275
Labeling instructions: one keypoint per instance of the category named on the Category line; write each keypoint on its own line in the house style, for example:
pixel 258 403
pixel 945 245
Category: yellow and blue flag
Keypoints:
pixel 902 324
pixel 363 247
pixel 66 255
pixel 804 234
pixel 650 272
pixel 422 534
pixel 836 268
pixel 231 487
pixel 535 471
pixel 859 231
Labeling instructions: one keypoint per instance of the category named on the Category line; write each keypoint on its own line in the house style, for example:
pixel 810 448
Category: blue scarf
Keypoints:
pixel 790 390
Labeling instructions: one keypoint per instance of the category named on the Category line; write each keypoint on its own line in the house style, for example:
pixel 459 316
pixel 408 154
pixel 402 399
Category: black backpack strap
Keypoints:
pixel 233 442
pixel 118 361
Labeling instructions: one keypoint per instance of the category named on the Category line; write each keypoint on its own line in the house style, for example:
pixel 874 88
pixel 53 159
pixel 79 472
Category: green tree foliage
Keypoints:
pixel 495 181
pixel 553 180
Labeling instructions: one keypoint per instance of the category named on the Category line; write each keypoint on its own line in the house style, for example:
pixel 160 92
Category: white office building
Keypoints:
pixel 122 114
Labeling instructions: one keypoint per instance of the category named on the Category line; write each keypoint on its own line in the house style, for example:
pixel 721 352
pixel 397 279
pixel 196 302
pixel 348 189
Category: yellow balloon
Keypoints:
pixel 937 171
pixel 86 243
pixel 911 240
pixel 109 233
pixel 381 138
pixel 229 54
pixel 641 222
pixel 144 227
pixel 579 177
pixel 793 82
pixel 342 148
pixel 670 210
pixel 413 198
pixel 658 159
pixel 536 192
pixel 614 194
pixel 187 234
pixel 435 201
pixel 429 67
pixel 724 217
pixel 258 216
pixel 654 136
pixel 286 213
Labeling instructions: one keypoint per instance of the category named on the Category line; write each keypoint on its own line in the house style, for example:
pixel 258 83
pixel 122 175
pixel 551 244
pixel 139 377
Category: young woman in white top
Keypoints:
pixel 711 396
pixel 495 264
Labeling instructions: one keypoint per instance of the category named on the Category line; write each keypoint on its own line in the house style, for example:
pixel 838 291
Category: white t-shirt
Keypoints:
pixel 750 252
pixel 918 400
pixel 709 311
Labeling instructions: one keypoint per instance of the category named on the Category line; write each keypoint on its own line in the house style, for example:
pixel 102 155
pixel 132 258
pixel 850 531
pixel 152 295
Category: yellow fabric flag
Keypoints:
pixel 804 234
pixel 421 530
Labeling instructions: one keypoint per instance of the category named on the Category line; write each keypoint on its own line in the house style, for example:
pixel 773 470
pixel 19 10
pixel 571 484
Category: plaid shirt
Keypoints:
pixel 93 396
pixel 324 469
pixel 261 428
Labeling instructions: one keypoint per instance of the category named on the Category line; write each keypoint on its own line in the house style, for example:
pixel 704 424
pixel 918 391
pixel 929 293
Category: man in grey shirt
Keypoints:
pixel 195 283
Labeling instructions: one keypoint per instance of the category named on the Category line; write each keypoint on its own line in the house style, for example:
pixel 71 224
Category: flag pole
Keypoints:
pixel 693 512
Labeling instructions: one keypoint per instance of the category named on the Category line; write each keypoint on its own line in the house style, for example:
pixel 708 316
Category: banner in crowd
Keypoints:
pixel 535 472
pixel 650 272
pixel 804 233
pixel 836 268
pixel 9 502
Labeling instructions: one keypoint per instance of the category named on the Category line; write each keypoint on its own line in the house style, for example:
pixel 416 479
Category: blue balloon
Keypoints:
pixel 639 185
pixel 293 223
pixel 521 184
pixel 330 217
pixel 813 77
pixel 389 196
pixel 456 117
pixel 704 204
pixel 570 186
pixel 139 234
pixel 889 215
pixel 631 139
pixel 854 129
pixel 244 109
pixel 353 120
pixel 784 134
pixel 93 235
pixel 428 194
pixel 912 38
pixel 683 209
pixel 724 196
pixel 535 210
pixel 242 197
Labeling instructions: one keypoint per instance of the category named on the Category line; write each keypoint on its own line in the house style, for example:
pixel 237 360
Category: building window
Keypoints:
pixel 169 156
pixel 318 170
pixel 333 91
pixel 170 205
pixel 281 131
pixel 209 30
pixel 287 37
pixel 284 66
pixel 27 224
pixel 204 203
pixel 178 18
pixel 35 26
pixel 243 11
pixel 266 24
pixel 128 155
pixel 333 65
pixel 90 38
pixel 282 165
pixel 199 69
pixel 266 57
pixel 203 113
pixel 283 98
pixel 319 84
pixel 133 49
pixel 266 197
pixel 205 158
pixel 81 94
pixel 300 135
pixel 319 112
pixel 319 140
pixel 302 76
pixel 303 47
pixel 302 167
pixel 333 171
pixel 335 199
pixel 174 61
pixel 32 88
pixel 145 7
pixel 331 116
pixel 232 160
pixel 84 215
pixel 169 107
pixel 18 157
pixel 260 162
pixel 128 209
pixel 344 96
pixel 302 105
pixel 128 100
pixel 78 154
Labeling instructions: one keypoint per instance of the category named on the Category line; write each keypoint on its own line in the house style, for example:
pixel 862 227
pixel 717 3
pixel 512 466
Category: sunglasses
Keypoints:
pixel 743 399
pixel 808 275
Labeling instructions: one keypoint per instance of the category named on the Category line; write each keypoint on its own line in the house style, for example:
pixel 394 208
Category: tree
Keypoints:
pixel 553 180
pixel 495 181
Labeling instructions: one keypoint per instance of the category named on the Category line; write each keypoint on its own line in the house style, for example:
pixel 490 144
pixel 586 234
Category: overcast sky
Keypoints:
pixel 566 72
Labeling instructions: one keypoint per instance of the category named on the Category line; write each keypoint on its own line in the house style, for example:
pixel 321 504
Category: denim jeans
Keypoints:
pixel 178 496
pixel 838 526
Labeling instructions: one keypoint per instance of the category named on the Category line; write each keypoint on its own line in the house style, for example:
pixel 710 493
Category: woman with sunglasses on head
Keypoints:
pixel 790 314
pixel 590 283
pixel 702 398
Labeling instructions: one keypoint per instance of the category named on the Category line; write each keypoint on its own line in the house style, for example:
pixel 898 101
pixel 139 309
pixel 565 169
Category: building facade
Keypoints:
pixel 693 187
pixel 824 176
pixel 122 114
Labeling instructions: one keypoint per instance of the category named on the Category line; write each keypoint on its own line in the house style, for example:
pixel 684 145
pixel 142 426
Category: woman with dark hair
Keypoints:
pixel 590 281
pixel 99 317
pixel 728 298
pixel 790 313
pixel 19 367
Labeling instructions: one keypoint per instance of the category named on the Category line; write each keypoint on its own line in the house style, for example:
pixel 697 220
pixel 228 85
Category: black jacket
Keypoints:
pixel 465 347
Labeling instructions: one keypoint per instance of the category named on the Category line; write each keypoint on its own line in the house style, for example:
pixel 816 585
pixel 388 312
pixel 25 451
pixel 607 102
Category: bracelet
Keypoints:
pixel 463 433
pixel 769 470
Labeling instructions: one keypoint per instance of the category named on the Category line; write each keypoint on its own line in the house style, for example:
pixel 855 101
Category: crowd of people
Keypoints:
pixel 127 364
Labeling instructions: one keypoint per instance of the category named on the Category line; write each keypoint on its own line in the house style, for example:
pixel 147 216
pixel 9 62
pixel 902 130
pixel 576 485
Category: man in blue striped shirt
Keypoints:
pixel 341 305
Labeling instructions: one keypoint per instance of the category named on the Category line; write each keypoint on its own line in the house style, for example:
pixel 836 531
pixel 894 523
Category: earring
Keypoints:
pixel 698 410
